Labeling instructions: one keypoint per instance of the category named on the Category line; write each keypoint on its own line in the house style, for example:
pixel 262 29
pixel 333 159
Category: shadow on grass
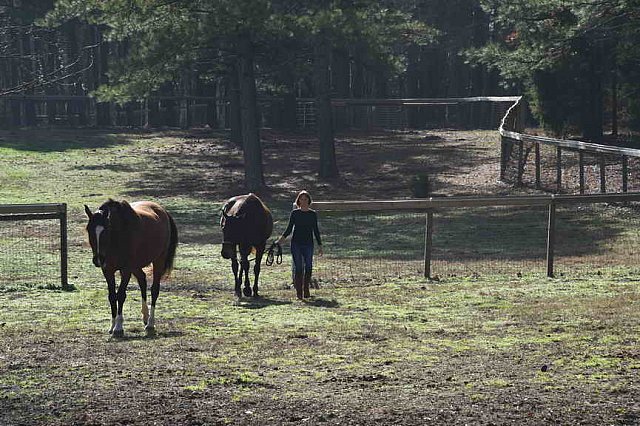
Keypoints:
pixel 59 141
pixel 130 336
pixel 322 303
pixel 469 234
pixel 260 302
pixel 120 168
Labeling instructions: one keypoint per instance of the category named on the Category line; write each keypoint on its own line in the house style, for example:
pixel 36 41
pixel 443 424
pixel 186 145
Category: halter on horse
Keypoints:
pixel 127 237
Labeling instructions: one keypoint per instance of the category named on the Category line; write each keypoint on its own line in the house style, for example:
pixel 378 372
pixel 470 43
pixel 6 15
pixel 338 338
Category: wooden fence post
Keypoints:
pixel 520 162
pixel 505 153
pixel 625 173
pixel 551 237
pixel 581 164
pixel 603 174
pixel 428 244
pixel 558 169
pixel 63 248
pixel 538 179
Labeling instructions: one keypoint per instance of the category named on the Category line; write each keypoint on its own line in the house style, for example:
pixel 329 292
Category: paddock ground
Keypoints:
pixel 480 349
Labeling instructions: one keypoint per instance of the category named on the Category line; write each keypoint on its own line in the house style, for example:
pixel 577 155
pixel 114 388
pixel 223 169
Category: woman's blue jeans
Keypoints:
pixel 302 255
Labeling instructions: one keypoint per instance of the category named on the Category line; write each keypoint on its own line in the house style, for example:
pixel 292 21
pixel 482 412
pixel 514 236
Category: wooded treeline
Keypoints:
pixel 576 61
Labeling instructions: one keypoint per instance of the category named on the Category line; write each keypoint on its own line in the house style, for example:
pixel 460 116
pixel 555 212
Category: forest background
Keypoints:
pixel 575 61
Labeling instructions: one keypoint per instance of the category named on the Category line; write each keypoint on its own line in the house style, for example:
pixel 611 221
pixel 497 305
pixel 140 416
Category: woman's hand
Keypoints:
pixel 320 251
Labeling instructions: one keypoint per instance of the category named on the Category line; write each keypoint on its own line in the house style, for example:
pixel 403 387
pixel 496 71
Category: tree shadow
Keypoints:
pixel 121 168
pixel 42 140
pixel 466 234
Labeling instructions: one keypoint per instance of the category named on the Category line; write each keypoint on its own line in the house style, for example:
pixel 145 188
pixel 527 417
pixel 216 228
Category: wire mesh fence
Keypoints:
pixel 474 241
pixel 597 239
pixel 480 240
pixel 30 254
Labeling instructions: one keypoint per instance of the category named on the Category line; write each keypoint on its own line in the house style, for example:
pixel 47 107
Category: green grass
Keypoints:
pixel 476 340
pixel 381 348
pixel 183 174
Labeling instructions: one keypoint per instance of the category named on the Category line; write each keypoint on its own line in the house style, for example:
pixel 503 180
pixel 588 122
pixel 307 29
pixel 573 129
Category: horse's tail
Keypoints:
pixel 173 243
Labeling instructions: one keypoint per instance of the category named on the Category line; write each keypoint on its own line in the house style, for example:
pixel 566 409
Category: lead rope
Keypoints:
pixel 274 247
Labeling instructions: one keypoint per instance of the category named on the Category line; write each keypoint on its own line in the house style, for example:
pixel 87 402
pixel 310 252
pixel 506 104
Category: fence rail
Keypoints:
pixel 16 212
pixel 512 137
pixel 189 111
pixel 433 206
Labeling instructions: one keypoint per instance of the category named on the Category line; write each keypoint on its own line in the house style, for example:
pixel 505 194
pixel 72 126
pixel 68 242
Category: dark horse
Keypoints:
pixel 246 224
pixel 128 237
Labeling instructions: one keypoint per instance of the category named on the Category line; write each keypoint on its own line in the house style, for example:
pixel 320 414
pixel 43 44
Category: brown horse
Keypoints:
pixel 127 237
pixel 246 224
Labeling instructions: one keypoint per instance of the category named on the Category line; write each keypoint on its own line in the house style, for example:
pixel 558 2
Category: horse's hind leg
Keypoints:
pixel 142 281
pixel 256 268
pixel 155 291
pixel 121 296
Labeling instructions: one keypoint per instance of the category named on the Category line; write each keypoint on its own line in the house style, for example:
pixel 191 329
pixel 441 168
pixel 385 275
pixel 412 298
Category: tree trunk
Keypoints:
pixel 359 112
pixel 289 107
pixel 413 85
pixel 614 95
pixel 592 117
pixel 341 83
pixel 253 175
pixel 322 54
pixel 235 121
pixel 103 109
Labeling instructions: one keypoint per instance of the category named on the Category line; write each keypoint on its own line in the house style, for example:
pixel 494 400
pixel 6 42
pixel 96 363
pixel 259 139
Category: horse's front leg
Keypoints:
pixel 109 276
pixel 244 264
pixel 237 276
pixel 256 268
pixel 121 296
pixel 142 282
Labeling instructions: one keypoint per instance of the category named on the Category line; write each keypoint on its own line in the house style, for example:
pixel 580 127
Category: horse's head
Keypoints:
pixel 99 231
pixel 109 228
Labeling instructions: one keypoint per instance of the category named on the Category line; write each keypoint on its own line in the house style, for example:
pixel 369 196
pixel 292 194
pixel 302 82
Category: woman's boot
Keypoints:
pixel 298 283
pixel 307 281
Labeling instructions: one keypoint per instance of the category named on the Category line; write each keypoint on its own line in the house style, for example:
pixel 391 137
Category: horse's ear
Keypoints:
pixel 87 210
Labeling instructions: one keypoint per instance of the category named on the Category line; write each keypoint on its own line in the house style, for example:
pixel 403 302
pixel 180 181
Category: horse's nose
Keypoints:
pixel 225 254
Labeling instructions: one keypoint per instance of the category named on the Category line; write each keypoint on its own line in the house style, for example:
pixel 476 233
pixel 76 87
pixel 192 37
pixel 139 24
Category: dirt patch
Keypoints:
pixel 372 165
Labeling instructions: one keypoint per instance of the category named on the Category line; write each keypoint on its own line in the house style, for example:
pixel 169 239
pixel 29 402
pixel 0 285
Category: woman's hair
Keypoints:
pixel 300 194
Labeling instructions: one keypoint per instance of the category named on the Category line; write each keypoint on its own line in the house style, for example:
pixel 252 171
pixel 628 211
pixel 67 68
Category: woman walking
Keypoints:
pixel 304 223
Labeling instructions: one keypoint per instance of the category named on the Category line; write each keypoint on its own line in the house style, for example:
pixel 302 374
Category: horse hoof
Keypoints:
pixel 151 331
pixel 247 292
pixel 118 333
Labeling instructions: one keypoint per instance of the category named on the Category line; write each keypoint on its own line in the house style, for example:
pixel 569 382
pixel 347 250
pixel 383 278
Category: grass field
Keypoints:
pixel 386 349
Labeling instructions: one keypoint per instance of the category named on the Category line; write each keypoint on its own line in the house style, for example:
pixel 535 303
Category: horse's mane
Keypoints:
pixel 123 211
pixel 236 204
pixel 123 219
pixel 251 197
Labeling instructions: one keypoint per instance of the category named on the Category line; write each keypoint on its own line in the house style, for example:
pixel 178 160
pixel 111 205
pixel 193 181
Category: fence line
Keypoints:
pixel 434 206
pixel 188 111
pixel 511 137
